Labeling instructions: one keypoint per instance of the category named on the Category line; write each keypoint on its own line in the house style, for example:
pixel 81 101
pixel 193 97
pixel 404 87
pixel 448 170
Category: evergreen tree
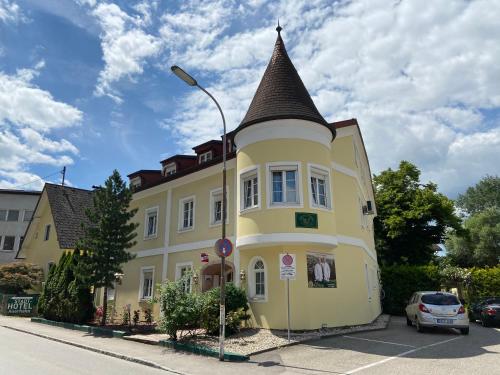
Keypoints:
pixel 108 236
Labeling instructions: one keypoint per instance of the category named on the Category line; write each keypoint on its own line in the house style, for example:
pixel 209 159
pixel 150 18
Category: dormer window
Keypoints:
pixel 206 156
pixel 135 182
pixel 169 169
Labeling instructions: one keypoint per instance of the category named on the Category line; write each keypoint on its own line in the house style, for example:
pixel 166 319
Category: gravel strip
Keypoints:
pixel 251 341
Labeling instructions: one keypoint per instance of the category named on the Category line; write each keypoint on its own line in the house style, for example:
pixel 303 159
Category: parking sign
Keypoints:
pixel 288 267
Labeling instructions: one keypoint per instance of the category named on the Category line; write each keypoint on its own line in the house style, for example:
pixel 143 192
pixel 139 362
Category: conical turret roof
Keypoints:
pixel 281 93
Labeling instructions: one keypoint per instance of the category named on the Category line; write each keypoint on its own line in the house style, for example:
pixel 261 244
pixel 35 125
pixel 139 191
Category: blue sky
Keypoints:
pixel 87 84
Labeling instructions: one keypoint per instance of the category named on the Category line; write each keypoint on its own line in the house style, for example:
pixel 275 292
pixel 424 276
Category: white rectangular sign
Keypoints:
pixel 288 266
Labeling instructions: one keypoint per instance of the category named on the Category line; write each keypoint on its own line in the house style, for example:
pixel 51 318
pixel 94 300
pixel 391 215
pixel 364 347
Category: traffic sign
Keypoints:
pixel 223 247
pixel 288 266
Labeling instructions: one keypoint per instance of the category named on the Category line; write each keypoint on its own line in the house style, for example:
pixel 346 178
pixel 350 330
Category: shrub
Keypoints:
pixel 135 319
pixel 148 316
pixel 17 277
pixel 126 316
pixel 65 297
pixel 484 282
pixel 188 311
pixel 236 308
pixel 401 281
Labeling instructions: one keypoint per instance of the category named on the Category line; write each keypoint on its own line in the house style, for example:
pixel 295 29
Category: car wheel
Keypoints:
pixel 408 321
pixel 419 326
pixel 464 331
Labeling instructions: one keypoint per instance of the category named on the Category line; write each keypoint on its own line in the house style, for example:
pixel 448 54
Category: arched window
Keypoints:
pixel 257 280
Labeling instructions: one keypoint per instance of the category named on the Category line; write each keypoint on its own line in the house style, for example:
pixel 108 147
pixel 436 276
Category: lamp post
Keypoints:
pixel 222 317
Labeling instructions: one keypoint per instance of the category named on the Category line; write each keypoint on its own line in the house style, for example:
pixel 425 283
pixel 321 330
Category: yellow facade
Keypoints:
pixel 35 248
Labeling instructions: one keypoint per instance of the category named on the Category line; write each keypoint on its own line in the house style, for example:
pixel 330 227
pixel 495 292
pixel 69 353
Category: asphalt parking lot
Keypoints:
pixel 397 350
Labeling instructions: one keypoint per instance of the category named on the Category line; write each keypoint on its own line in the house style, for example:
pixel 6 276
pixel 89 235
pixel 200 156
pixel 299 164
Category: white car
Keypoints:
pixel 436 309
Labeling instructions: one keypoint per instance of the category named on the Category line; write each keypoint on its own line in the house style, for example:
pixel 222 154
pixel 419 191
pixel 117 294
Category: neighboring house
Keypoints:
pixel 56 224
pixel 295 183
pixel 16 210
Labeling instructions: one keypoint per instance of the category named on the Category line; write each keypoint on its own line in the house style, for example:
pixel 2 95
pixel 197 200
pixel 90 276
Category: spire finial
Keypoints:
pixel 279 28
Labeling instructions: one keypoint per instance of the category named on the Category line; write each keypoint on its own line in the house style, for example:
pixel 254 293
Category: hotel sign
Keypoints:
pixel 306 220
pixel 21 305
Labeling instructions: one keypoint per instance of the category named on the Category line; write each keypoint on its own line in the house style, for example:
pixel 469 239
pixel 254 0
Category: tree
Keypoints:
pixel 17 277
pixel 411 217
pixel 485 194
pixel 479 244
pixel 108 235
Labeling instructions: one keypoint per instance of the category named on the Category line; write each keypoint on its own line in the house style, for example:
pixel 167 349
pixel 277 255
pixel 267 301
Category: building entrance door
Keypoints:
pixel 210 276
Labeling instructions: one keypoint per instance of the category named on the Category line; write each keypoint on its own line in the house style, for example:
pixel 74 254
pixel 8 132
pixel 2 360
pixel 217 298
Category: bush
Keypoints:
pixel 65 297
pixel 136 318
pixel 236 308
pixel 401 281
pixel 17 277
pixel 189 311
pixel 484 282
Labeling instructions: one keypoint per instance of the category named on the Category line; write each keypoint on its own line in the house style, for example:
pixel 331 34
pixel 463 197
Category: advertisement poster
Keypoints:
pixel 321 270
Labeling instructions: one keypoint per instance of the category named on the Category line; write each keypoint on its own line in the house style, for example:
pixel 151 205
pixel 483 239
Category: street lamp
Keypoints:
pixel 222 317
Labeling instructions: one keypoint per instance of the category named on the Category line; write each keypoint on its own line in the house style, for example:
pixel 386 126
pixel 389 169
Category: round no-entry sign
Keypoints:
pixel 224 247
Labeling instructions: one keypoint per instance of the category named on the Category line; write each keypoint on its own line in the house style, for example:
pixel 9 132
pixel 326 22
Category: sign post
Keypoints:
pixel 288 271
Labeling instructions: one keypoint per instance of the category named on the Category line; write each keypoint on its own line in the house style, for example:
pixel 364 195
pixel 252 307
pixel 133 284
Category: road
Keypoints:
pixel 21 353
pixel 396 350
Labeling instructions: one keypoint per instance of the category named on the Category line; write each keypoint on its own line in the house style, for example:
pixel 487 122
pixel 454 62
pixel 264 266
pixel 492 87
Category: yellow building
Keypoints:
pixel 56 225
pixel 296 184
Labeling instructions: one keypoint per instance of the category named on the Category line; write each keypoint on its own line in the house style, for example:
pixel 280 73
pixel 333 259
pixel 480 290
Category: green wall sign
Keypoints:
pixel 306 220
pixel 21 305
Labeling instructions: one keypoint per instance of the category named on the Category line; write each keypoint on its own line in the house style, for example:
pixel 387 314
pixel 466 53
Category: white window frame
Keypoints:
pixel 178 270
pixel 205 157
pixel 136 182
pixel 147 213
pixel 284 166
pixel 141 283
pixel 320 171
pixel 169 169
pixel 2 243
pixel 246 174
pixel 24 215
pixel 251 280
pixel 213 194
pixel 180 227
pixel 46 233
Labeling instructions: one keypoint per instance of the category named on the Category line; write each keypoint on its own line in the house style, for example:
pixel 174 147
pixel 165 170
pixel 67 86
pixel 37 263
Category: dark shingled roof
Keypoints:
pixel 281 93
pixel 68 207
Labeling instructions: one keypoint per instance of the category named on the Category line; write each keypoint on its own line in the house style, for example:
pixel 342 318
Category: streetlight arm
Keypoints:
pixel 217 104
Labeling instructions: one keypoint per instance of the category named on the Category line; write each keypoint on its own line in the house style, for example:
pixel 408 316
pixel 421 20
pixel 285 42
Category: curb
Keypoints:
pixel 203 350
pixel 96 331
pixel 100 351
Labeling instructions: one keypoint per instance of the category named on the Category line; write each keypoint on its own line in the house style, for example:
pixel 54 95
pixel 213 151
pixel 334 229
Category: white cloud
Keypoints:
pixel 126 46
pixel 10 11
pixel 416 78
pixel 28 115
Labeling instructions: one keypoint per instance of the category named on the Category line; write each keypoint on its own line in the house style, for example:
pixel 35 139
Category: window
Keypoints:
pixel 216 206
pixel 151 222
pixel 3 215
pixel 186 214
pixel 169 169
pixel 8 243
pixel 135 182
pixel 319 179
pixel 146 284
pixel 184 271
pixel 13 215
pixel 206 156
pixel 284 185
pixel 28 215
pixel 111 292
pixel 47 232
pixel 251 192
pixel 257 280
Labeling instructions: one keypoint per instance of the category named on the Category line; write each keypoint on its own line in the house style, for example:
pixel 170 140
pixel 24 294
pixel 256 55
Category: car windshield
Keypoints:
pixel 440 299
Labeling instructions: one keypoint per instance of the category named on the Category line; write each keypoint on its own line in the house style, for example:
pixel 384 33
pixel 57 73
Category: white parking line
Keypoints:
pixel 382 342
pixel 400 355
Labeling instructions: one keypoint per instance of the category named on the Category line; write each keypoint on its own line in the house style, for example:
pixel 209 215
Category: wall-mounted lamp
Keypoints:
pixel 243 276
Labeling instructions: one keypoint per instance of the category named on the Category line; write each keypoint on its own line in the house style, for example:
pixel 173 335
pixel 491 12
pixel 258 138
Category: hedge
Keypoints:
pixel 484 282
pixel 400 282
